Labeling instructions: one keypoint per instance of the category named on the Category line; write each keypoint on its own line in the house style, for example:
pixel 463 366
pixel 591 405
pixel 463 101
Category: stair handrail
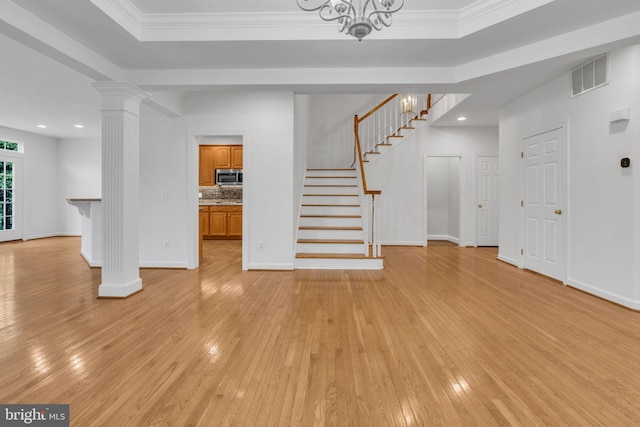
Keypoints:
pixel 394 128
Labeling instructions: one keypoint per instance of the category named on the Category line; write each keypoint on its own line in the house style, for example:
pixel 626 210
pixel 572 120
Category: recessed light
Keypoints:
pixel 79 126
pixel 42 126
pixel 462 119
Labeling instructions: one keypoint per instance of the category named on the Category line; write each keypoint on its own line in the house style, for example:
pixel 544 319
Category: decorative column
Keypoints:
pixel 120 188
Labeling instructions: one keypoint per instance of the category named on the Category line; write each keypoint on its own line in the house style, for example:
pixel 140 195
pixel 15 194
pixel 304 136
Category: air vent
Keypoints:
pixel 589 76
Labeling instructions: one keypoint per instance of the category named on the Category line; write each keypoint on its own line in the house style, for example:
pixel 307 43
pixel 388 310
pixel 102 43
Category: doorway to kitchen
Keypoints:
pixel 216 178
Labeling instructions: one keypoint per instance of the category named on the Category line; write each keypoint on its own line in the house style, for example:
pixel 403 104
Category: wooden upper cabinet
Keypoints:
pixel 214 157
pixel 206 165
pixel 236 157
pixel 222 157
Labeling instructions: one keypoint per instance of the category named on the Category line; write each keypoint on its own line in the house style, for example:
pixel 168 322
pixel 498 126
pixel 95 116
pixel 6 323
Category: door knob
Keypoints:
pixel 480 206
pixel 558 212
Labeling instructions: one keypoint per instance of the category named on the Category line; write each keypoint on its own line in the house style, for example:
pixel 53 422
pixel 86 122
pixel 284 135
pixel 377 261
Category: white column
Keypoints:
pixel 120 188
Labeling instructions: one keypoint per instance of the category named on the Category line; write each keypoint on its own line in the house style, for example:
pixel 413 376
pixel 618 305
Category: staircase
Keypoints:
pixel 330 233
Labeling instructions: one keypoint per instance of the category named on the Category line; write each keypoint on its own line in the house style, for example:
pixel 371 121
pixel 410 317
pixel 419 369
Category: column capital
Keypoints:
pixel 120 96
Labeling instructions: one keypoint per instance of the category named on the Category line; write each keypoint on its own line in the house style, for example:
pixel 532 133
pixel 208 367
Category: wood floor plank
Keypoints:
pixel 443 336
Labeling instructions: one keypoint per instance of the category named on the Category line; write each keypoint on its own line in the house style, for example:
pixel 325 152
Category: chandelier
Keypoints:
pixel 355 17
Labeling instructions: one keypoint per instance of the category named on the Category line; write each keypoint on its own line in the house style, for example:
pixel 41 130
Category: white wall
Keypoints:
pixel 79 175
pixel 602 248
pixel 331 134
pixel 163 191
pixel 266 121
pixel 300 150
pixel 40 189
pixel 401 175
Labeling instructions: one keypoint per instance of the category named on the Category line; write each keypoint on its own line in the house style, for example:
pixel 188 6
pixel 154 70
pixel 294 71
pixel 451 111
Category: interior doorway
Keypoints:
pixel 444 198
pixel 544 200
pixel 488 200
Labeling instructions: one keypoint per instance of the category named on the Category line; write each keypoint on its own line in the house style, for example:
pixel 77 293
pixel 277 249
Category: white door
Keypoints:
pixel 10 226
pixel 544 239
pixel 488 201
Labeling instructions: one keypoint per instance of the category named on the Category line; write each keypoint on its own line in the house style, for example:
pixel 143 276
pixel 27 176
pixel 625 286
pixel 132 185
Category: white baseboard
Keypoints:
pixel 508 260
pixel 269 266
pixel 609 296
pixel 444 237
pixel 149 264
pixel 89 261
pixel 403 243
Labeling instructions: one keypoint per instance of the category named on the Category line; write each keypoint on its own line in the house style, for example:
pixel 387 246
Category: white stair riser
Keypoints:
pixel 331 181
pixel 333 222
pixel 406 132
pixel 371 156
pixel 331 172
pixel 330 234
pixel 330 190
pixel 331 200
pixel 331 248
pixel 338 264
pixel 384 148
pixel 331 210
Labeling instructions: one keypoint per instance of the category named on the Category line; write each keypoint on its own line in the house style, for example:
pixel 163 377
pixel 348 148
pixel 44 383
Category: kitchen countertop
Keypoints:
pixel 220 202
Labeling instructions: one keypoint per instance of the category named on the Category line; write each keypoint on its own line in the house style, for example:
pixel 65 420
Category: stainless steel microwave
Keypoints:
pixel 229 176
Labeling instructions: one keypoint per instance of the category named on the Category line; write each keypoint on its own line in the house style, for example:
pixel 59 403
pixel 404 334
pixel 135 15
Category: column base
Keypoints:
pixel 112 290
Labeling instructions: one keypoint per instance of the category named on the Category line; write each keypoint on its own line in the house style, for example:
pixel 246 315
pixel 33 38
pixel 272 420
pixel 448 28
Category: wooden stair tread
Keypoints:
pixel 407 127
pixel 336 256
pixel 395 136
pixel 327 227
pixel 382 144
pixel 332 241
pixel 420 120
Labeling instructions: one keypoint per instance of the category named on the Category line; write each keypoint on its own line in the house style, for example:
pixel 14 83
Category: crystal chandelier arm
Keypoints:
pixel 381 15
pixel 311 5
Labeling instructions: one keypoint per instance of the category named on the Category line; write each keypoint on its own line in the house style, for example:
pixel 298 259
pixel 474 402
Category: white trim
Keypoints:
pixel 610 296
pixel 443 237
pixel 292 25
pixel 509 260
pixel 270 266
pixel 402 243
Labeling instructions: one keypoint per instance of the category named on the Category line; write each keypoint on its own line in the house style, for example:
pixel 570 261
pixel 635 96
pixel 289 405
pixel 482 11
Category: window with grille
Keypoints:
pixel 6 195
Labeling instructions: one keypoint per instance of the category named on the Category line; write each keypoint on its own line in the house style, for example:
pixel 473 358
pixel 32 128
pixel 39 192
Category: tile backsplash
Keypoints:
pixel 221 192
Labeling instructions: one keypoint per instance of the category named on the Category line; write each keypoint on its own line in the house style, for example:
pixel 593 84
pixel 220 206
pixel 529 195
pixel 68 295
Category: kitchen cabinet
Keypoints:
pixel 236 157
pixel 206 165
pixel 214 157
pixel 204 225
pixel 225 222
pixel 222 157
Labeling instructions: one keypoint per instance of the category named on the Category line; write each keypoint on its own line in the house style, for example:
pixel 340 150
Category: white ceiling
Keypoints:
pixel 492 49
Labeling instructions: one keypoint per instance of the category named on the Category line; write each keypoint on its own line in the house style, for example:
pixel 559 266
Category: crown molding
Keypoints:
pixel 300 25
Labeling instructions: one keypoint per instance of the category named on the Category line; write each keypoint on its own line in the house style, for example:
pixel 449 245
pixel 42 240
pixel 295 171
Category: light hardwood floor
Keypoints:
pixel 444 336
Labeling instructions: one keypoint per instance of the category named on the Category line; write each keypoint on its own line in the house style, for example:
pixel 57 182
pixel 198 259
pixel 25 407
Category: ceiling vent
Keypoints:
pixel 589 76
